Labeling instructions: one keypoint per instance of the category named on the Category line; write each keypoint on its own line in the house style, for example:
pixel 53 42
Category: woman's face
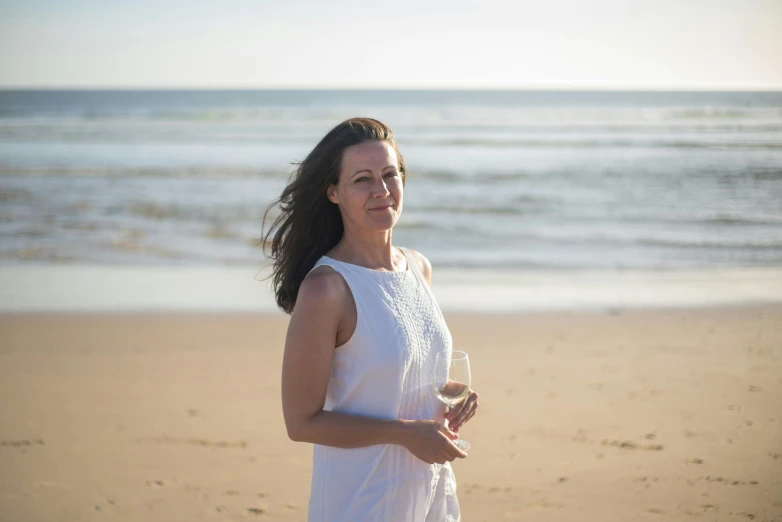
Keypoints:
pixel 369 191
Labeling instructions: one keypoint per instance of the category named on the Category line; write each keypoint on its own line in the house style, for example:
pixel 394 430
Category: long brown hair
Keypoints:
pixel 309 225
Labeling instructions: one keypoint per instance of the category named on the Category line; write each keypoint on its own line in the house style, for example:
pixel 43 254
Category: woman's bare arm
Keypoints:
pixel 306 368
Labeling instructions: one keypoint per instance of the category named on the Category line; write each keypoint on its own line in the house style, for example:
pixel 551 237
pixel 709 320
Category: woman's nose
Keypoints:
pixel 380 190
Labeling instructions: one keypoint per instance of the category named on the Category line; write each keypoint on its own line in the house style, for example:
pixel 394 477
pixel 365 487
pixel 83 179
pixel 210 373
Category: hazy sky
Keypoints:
pixel 690 44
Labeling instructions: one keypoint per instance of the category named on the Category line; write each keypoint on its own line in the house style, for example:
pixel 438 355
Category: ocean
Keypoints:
pixel 528 180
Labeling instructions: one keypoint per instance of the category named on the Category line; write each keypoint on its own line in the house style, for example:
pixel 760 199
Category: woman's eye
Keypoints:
pixel 364 178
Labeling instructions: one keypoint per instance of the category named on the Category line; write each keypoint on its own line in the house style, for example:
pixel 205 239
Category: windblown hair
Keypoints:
pixel 309 224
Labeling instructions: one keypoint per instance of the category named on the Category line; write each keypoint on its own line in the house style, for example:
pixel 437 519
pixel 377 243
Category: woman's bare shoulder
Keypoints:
pixel 423 265
pixel 324 286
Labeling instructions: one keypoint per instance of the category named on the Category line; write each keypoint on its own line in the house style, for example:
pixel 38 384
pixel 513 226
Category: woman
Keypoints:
pixel 362 337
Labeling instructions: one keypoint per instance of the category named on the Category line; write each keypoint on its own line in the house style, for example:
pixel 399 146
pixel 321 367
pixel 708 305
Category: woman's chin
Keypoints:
pixel 383 223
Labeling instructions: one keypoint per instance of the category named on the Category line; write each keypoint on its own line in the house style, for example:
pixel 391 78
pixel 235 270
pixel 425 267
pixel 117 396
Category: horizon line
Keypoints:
pixel 734 88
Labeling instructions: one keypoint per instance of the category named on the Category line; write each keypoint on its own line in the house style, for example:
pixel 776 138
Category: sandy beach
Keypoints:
pixel 590 416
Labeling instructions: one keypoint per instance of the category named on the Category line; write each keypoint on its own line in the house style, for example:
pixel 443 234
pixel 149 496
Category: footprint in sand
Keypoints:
pixel 545 504
pixel 256 511
pixel 155 483
pixel 626 444
pixel 52 484
pixel 242 444
pixel 21 443
pixel 729 482
pixel 493 489
pixel 472 487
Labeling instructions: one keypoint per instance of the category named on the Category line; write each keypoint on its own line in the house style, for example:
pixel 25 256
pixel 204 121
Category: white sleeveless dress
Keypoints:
pixel 383 372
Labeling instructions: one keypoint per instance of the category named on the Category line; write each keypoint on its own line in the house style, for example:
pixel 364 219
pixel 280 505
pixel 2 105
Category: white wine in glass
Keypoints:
pixel 451 378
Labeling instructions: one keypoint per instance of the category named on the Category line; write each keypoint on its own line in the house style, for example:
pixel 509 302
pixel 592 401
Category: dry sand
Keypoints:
pixel 622 416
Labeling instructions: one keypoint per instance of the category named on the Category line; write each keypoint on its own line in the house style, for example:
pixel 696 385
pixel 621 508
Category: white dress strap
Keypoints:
pixel 420 277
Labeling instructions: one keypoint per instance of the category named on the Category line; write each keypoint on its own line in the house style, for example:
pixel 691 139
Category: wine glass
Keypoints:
pixel 451 378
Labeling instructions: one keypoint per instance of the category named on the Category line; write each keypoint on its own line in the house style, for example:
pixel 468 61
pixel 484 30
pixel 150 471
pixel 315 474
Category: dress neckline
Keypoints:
pixel 393 272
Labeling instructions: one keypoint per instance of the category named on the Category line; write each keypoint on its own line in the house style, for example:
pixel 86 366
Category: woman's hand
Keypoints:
pixel 430 441
pixel 462 412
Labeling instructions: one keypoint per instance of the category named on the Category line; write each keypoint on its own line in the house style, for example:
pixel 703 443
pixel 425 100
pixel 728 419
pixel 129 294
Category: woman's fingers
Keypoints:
pixel 463 407
pixel 456 426
pixel 455 411
pixel 453 453
pixel 457 452
pixel 470 416
pixel 469 405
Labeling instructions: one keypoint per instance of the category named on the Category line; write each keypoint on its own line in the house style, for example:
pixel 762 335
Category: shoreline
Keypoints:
pixel 162 314
pixel 155 289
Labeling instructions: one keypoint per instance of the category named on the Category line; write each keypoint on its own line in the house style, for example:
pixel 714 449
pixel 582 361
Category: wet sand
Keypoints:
pixel 589 416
